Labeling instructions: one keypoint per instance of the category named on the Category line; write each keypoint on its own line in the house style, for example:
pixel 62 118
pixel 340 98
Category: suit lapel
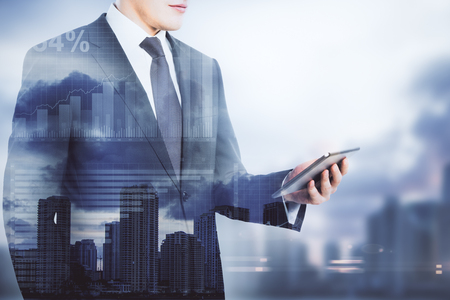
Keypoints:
pixel 195 78
pixel 188 90
pixel 141 121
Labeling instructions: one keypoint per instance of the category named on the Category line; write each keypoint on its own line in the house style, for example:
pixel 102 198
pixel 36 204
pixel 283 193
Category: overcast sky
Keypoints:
pixel 302 78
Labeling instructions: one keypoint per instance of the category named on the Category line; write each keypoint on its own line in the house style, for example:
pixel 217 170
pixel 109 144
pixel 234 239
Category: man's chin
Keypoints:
pixel 173 27
pixel 172 23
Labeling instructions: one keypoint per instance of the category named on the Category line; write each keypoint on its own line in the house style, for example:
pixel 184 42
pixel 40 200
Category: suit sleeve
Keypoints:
pixel 233 185
pixel 36 162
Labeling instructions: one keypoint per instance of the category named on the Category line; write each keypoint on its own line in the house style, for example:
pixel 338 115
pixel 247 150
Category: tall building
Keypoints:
pixel 88 257
pixel 205 230
pixel 442 226
pixel 24 262
pixel 84 253
pixel 53 244
pixel 111 251
pixel 382 261
pixel 446 185
pixel 275 214
pixel 75 253
pixel 139 237
pixel 334 264
pixel 419 245
pixel 182 262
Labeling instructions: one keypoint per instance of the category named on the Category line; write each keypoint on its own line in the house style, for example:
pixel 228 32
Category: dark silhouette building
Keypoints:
pixel 111 251
pixel 24 262
pixel 139 238
pixel 205 230
pixel 446 185
pixel 88 257
pixel 183 263
pixel 53 244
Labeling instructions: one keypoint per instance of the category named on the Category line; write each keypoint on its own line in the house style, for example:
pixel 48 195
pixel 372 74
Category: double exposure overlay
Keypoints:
pixel 90 191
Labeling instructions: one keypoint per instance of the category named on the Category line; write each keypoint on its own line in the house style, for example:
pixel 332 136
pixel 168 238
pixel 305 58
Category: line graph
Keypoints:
pixel 103 114
pixel 106 79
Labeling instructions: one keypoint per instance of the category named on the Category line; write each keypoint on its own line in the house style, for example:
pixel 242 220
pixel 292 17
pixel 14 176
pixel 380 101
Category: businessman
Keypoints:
pixel 113 116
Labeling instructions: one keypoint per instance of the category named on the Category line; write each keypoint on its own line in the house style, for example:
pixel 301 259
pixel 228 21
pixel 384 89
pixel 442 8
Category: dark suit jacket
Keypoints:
pixel 83 128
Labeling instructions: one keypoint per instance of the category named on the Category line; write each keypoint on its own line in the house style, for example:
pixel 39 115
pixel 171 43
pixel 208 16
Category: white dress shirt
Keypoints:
pixel 130 36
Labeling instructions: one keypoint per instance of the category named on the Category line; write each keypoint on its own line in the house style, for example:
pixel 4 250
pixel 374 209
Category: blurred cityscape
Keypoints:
pixel 406 252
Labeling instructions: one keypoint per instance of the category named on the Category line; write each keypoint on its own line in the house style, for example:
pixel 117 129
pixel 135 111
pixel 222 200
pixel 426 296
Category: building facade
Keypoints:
pixel 111 251
pixel 24 262
pixel 205 230
pixel 139 237
pixel 183 262
pixel 53 244
pixel 88 257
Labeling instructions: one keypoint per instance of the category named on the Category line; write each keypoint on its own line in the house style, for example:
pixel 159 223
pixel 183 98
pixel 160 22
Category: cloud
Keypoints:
pixel 42 94
pixel 435 80
pixel 7 204
pixel 24 233
pixel 409 159
pixel 433 125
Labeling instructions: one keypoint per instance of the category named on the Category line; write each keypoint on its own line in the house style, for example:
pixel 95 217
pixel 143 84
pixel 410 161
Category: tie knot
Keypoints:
pixel 152 45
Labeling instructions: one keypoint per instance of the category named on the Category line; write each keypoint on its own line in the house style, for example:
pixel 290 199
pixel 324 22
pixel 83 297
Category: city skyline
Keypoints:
pixel 130 243
pixel 23 228
pixel 384 257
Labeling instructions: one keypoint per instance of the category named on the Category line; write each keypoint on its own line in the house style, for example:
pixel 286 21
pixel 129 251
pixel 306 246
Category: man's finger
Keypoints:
pixel 336 177
pixel 313 193
pixel 344 166
pixel 325 185
pixel 315 197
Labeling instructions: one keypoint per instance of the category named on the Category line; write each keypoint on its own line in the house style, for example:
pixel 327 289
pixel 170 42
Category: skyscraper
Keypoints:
pixel 443 224
pixel 24 262
pixel 446 185
pixel 418 244
pixel 88 257
pixel 53 244
pixel 139 237
pixel 182 262
pixel 383 262
pixel 205 230
pixel 111 251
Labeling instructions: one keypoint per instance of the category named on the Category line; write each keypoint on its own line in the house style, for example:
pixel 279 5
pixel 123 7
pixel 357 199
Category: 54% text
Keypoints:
pixel 57 43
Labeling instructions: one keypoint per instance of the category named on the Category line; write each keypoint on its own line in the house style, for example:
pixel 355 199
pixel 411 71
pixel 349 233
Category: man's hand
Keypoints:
pixel 313 195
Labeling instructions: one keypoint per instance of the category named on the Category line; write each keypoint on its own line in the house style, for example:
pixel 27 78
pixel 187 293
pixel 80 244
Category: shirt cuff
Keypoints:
pixel 291 208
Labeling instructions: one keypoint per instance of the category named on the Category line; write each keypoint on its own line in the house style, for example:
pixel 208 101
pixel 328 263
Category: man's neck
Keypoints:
pixel 131 14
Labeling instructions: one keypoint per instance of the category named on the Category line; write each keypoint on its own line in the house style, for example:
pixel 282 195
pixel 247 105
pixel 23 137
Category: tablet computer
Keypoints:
pixel 313 171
